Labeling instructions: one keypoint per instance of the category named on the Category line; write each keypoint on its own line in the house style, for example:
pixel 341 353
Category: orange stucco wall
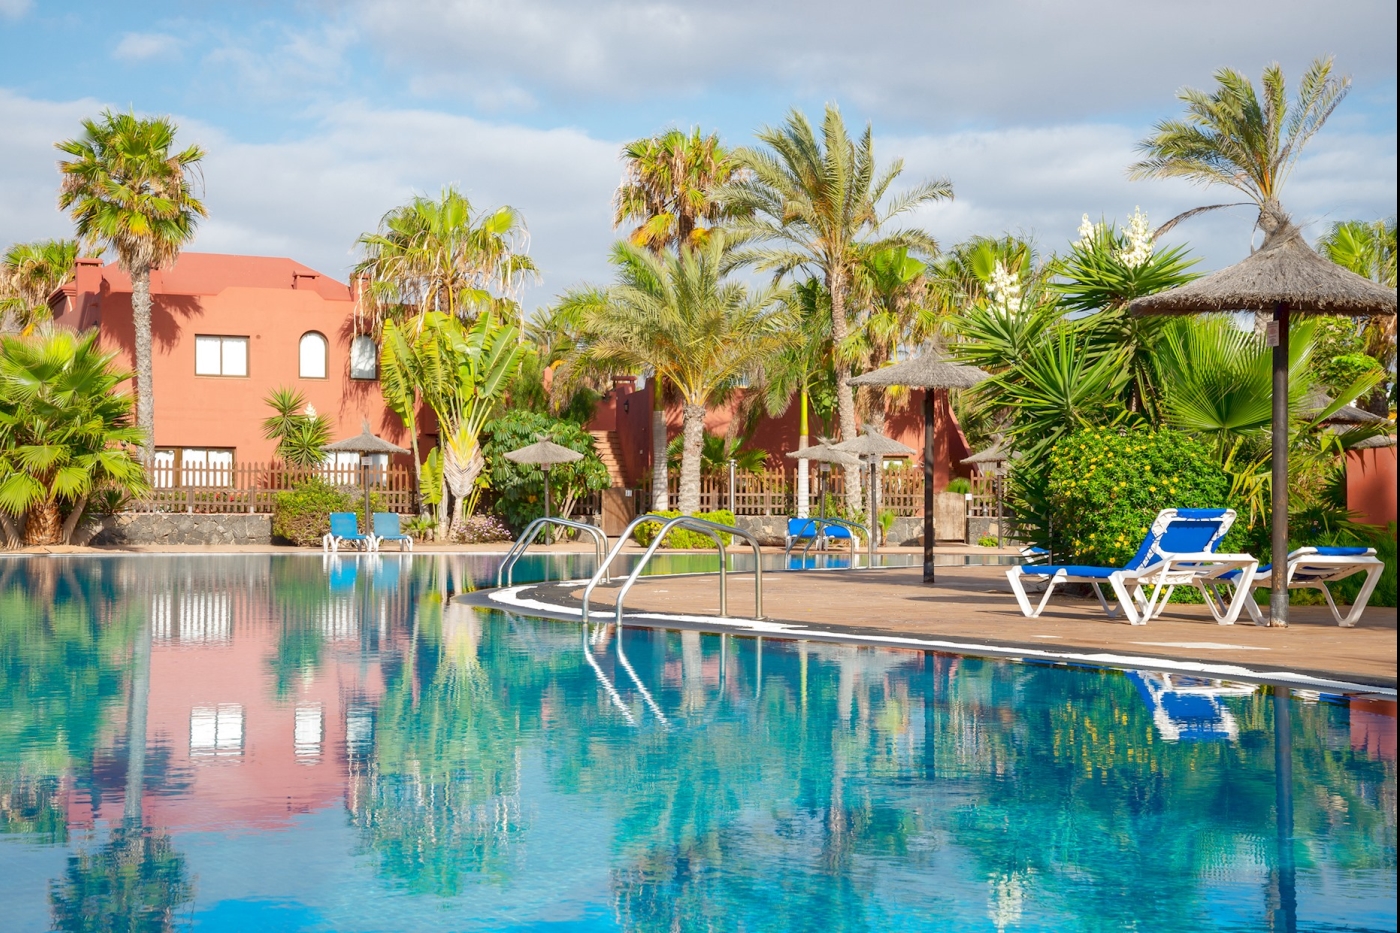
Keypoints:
pixel 1371 485
pixel 272 302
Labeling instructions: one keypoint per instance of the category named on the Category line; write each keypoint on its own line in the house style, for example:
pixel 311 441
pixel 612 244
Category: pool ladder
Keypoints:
pixel 506 572
pixel 690 522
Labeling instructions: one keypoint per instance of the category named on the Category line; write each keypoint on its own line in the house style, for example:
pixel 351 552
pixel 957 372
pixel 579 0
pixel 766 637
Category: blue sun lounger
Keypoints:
pixel 386 528
pixel 800 529
pixel 345 530
pixel 1314 568
pixel 1178 550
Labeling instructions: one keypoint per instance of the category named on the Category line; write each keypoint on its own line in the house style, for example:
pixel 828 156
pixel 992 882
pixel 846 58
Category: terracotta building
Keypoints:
pixel 227 331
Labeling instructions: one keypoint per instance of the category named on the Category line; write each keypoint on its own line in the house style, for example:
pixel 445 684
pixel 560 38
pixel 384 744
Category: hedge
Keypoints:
pixel 303 515
pixel 1105 487
pixel 684 538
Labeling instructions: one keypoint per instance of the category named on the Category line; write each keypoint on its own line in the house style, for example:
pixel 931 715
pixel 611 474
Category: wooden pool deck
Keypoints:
pixel 974 606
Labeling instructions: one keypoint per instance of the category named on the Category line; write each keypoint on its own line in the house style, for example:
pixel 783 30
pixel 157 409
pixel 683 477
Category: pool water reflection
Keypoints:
pixel 298 743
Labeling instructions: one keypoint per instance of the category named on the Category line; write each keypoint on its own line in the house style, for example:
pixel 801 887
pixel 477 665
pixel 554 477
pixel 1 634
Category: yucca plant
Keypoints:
pixel 300 432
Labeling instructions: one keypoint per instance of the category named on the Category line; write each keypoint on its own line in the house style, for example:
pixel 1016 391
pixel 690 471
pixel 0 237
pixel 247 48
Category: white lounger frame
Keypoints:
pixel 1317 571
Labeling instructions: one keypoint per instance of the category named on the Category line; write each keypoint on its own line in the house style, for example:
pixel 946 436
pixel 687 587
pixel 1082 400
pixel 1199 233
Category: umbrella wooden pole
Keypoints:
pixel 928 484
pixel 1278 589
pixel 364 480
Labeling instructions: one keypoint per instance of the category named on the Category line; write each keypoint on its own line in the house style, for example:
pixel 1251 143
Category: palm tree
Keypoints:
pixel 28 275
pixel 1232 137
pixel 1368 249
pixel 668 194
pixel 441 255
pixel 125 189
pixel 464 370
pixel 801 367
pixel 819 205
pixel 677 314
pixel 62 427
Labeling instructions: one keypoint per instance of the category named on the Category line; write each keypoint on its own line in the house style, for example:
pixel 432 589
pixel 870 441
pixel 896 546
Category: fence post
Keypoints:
pixel 731 486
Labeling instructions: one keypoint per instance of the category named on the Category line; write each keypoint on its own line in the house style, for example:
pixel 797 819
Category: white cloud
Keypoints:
pixel 310 197
pixel 930 64
pixel 28 164
pixel 144 46
pixel 14 9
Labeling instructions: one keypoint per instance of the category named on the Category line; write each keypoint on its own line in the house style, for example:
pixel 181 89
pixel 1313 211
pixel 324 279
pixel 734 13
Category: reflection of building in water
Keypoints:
pixel 263 690
pixel 1373 727
pixel 191 618
pixel 1189 708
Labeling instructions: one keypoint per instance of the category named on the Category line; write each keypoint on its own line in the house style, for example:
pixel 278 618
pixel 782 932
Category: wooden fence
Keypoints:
pixel 251 487
pixel 774 492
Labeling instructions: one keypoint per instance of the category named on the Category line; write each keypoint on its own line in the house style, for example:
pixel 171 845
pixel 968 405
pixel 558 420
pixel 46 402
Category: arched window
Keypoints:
pixel 312 352
pixel 364 358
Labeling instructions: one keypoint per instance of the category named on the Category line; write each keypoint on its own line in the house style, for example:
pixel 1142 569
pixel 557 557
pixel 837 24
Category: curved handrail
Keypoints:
pixel 854 526
pixel 517 550
pixel 601 572
pixel 683 521
pixel 694 524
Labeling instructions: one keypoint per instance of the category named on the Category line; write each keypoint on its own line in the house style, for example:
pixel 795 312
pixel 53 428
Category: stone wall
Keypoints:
pixel 176 528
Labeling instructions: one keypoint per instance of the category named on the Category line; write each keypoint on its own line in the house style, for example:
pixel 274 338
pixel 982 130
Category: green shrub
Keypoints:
pixel 684 538
pixel 303 515
pixel 959 484
pixel 1104 488
pixel 987 541
pixel 516 490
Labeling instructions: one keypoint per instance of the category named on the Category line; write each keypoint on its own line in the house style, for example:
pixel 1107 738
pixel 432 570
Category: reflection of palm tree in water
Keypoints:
pixel 440 800
pixel 137 880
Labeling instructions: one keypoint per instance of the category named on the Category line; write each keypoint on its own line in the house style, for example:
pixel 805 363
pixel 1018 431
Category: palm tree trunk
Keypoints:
pixel 694 428
pixel 660 495
pixel 136 725
pixel 145 379
pixel 877 492
pixel 70 524
pixel 45 524
pixel 461 476
pixel 845 398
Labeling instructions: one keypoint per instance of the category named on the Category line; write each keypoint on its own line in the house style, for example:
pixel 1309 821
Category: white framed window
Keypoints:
pixel 344 466
pixel 164 473
pixel 364 358
pixel 216 730
pixel 206 466
pixel 308 732
pixel 312 355
pixel 220 356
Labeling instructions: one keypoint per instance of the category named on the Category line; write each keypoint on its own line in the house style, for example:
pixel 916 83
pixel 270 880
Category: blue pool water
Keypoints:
pixel 292 743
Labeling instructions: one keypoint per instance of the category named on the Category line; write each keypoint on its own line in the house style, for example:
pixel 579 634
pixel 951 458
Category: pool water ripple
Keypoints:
pixel 271 742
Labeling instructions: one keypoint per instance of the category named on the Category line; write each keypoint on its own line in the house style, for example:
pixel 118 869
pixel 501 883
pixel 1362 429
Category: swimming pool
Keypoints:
pixel 329 744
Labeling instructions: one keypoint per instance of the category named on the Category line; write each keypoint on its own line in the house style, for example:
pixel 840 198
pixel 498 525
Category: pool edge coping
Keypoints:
pixel 511 598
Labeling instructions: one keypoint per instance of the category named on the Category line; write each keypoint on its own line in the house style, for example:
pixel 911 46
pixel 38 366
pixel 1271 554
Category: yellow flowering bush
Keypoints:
pixel 1105 487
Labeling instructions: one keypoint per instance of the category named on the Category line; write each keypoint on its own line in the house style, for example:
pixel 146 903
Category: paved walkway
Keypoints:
pixel 975 604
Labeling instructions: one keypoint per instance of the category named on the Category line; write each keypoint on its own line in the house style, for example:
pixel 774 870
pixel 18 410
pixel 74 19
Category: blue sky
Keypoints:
pixel 321 116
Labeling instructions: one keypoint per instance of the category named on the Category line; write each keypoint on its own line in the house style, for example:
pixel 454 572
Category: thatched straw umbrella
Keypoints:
pixel 874 446
pixel 1286 277
pixel 824 453
pixel 934 373
pixel 544 453
pixel 1318 401
pixel 991 457
pixel 364 444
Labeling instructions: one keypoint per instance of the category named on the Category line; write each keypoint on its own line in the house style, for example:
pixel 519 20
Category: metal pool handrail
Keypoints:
pixel 517 550
pixel 854 526
pixel 683 521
